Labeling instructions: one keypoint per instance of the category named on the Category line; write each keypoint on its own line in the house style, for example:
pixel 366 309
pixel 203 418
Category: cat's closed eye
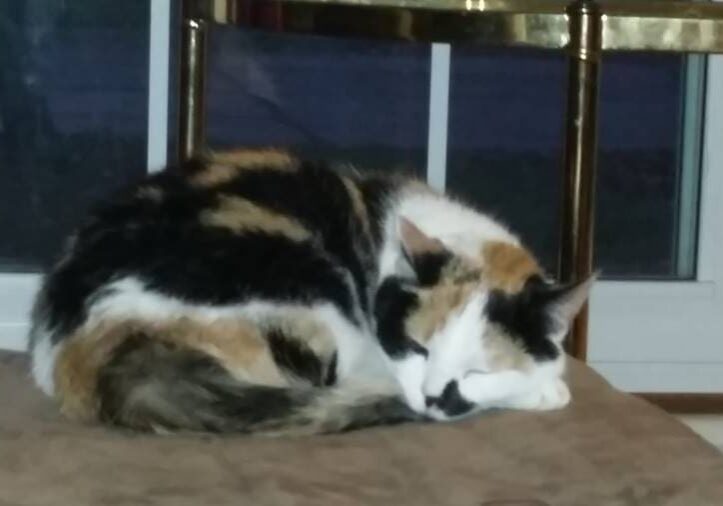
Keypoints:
pixel 472 372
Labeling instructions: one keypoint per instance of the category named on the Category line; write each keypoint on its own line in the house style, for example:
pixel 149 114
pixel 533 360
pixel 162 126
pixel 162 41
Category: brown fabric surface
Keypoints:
pixel 607 448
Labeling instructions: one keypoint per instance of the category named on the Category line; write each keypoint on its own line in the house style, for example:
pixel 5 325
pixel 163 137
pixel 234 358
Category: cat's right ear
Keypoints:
pixel 426 255
pixel 563 302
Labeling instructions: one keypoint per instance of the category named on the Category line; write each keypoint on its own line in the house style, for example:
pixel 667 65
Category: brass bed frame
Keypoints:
pixel 584 29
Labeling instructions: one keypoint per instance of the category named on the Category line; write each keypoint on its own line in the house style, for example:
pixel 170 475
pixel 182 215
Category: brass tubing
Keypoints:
pixel 192 93
pixel 627 25
pixel 576 241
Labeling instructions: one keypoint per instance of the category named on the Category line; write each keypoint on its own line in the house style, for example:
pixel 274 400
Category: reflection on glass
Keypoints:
pixel 73 92
pixel 359 101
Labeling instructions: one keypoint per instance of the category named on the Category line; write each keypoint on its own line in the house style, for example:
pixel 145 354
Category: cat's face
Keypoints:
pixel 485 347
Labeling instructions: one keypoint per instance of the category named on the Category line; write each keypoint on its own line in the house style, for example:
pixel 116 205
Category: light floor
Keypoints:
pixel 709 427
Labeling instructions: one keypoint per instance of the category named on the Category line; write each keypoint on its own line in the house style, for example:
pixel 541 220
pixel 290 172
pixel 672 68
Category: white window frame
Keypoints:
pixel 644 336
pixel 668 336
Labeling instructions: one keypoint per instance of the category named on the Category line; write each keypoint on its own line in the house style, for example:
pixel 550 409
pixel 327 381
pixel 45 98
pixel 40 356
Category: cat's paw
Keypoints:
pixel 410 372
pixel 550 395
pixel 557 396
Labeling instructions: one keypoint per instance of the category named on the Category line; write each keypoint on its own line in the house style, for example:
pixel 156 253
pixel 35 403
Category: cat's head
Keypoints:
pixel 487 345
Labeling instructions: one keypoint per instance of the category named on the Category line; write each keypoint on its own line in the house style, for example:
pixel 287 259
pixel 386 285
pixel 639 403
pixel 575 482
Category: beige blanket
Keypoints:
pixel 607 448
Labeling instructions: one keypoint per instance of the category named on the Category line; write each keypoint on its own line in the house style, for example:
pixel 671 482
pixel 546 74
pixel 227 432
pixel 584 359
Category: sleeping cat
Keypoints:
pixel 254 292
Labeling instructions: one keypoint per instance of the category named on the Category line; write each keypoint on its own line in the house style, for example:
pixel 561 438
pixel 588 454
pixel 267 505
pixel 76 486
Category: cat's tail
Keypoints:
pixel 151 385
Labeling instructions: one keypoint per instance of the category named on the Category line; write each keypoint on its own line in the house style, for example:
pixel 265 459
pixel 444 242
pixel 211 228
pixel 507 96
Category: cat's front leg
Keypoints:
pixel 410 372
pixel 514 390
pixel 493 390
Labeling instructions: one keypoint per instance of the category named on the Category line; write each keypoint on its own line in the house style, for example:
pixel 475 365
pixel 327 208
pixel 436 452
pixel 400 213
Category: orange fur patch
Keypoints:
pixel 507 266
pixel 358 205
pixel 225 166
pixel 435 306
pixel 241 215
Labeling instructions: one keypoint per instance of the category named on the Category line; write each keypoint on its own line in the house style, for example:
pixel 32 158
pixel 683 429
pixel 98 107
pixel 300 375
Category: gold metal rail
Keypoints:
pixel 584 28
pixel 626 24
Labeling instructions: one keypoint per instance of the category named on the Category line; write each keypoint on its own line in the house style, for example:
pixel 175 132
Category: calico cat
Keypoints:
pixel 254 292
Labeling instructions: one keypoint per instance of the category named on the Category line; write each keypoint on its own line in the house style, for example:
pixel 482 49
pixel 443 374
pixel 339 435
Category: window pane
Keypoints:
pixel 73 93
pixel 639 165
pixel 347 100
pixel 506 137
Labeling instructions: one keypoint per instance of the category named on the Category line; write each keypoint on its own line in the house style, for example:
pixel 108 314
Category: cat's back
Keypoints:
pixel 215 231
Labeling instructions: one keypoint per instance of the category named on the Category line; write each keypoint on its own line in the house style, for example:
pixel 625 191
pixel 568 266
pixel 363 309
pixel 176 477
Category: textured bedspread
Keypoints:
pixel 607 448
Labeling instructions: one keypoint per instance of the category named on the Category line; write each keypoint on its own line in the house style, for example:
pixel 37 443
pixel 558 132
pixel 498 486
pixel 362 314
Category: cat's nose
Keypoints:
pixel 434 386
pixel 451 401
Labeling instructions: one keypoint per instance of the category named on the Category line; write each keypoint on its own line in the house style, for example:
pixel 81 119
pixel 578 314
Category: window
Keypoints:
pixel 506 137
pixel 73 114
pixel 84 108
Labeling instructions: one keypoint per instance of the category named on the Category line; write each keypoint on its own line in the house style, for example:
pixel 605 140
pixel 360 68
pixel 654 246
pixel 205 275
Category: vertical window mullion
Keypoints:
pixel 158 68
pixel 438 114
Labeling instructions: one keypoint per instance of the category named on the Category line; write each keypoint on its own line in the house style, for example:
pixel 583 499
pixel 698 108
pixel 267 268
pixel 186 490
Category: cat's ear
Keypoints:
pixel 415 242
pixel 563 302
pixel 426 256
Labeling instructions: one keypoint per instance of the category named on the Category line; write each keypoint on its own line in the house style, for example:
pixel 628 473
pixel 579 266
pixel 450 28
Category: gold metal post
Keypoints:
pixel 192 94
pixel 580 150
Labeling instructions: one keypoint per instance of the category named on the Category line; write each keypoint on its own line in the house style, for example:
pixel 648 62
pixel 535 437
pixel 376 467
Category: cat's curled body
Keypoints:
pixel 251 291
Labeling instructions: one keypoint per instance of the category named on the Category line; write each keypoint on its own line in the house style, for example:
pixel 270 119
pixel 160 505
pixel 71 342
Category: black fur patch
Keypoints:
pixel 319 199
pixel 451 401
pixel 392 306
pixel 331 378
pixel 295 357
pixel 429 266
pixel 525 316
pixel 383 411
pixel 199 264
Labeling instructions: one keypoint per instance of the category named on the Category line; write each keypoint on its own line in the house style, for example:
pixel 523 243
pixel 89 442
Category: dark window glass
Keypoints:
pixel 73 93
pixel 506 138
pixel 358 101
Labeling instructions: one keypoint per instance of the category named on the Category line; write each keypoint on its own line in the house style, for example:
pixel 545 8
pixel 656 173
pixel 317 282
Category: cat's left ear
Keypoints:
pixel 426 255
pixel 415 242
pixel 563 302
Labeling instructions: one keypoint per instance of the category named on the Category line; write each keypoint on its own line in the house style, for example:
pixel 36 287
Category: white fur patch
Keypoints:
pixel 462 229
pixel 542 388
pixel 457 346
pixel 43 357
pixel 553 394
pixel 410 373
pixel 358 352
